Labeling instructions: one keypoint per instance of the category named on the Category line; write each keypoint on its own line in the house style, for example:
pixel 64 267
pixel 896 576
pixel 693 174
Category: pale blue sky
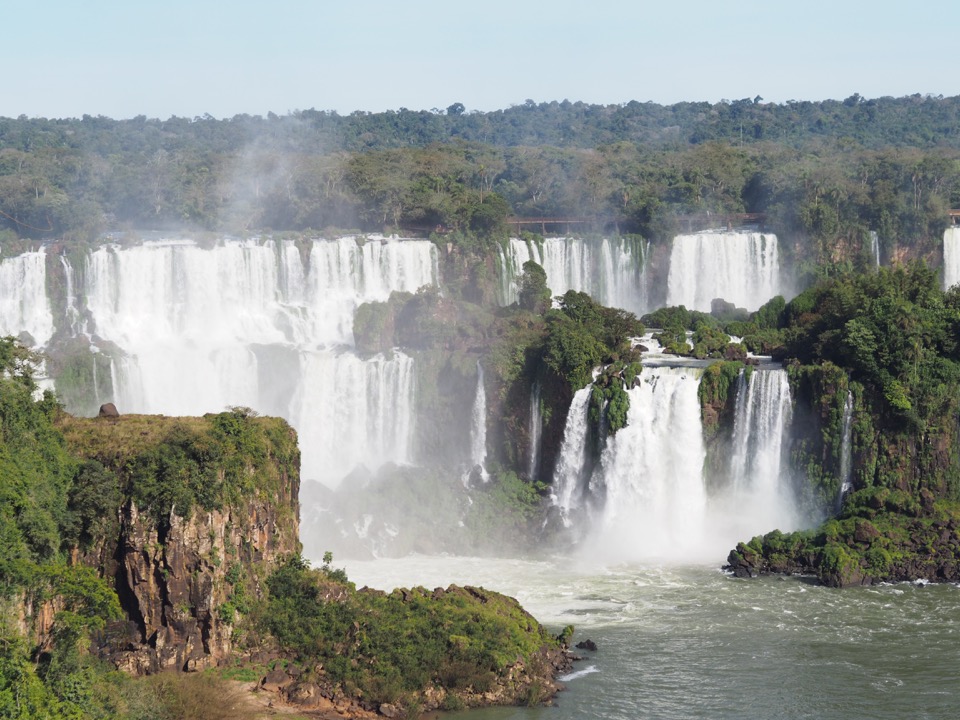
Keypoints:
pixel 66 58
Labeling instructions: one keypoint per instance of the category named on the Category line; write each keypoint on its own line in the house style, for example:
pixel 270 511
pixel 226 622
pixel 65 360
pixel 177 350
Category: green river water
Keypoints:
pixel 693 642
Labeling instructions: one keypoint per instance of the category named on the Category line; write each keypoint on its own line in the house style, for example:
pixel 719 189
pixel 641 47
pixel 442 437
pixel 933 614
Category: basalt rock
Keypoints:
pixel 184 576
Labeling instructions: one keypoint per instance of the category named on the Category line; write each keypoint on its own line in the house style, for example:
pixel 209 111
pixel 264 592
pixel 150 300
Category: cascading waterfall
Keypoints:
pixel 24 306
pixel 568 477
pixel 249 323
pixel 741 267
pixel 611 270
pixel 536 430
pixel 951 257
pixel 360 412
pixel 648 496
pixel 651 472
pixel 846 451
pixel 759 486
pixel 875 247
pixel 478 430
pixel 72 312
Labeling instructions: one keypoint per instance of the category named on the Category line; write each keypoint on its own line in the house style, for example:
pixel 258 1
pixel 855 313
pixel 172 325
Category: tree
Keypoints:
pixel 534 295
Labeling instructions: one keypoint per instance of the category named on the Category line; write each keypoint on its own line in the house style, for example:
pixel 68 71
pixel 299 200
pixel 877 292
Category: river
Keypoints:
pixel 692 642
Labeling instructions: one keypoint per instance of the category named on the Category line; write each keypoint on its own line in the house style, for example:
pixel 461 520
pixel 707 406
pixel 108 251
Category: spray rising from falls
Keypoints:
pixel 612 271
pixel 741 267
pixel 250 323
pixel 649 497
pixel 652 471
pixel 951 257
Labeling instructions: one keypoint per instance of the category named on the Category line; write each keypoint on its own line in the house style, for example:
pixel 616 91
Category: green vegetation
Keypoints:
pixel 41 513
pixel 177 464
pixel 824 172
pixel 890 340
pixel 390 647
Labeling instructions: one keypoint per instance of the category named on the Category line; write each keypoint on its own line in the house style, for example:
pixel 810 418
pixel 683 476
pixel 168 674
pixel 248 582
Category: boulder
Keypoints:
pixel 109 410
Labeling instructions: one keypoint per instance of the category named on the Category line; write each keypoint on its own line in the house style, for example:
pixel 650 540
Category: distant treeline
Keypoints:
pixel 823 172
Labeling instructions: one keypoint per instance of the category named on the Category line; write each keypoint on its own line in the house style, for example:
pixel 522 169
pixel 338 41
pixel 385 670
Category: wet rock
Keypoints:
pixel 587 645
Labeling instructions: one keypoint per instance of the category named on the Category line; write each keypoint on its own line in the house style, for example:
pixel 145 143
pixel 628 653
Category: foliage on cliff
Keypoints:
pixel 400 647
pixel 174 465
pixel 65 484
pixel 892 341
pixel 882 535
pixel 40 509
pixel 894 331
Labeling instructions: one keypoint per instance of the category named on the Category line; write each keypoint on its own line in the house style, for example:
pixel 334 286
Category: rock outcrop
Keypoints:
pixel 185 560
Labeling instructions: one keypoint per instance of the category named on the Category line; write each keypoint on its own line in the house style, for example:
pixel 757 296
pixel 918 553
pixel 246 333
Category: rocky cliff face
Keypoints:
pixel 185 566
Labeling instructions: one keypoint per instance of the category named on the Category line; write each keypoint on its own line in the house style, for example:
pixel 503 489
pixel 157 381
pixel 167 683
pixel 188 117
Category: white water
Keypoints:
pixel 72 312
pixel 610 270
pixel 536 430
pixel 24 306
pixel 875 247
pixel 648 498
pixel 478 429
pixel 568 480
pixel 846 451
pixel 741 267
pixel 951 257
pixel 652 474
pixel 760 484
pixel 249 323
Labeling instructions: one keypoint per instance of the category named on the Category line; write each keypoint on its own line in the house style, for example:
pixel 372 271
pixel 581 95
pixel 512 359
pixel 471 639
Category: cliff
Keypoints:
pixel 881 351
pixel 206 508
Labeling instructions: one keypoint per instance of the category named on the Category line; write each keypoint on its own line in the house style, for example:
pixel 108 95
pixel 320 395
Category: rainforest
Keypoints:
pixel 672 376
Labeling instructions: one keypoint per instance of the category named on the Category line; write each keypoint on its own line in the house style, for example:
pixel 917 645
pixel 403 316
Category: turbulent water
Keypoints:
pixel 951 257
pixel 268 325
pixel 651 496
pixel 740 267
pixel 612 271
pixel 690 642
pixel 651 473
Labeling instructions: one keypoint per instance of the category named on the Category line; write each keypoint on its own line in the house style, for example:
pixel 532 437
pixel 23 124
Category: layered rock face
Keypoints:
pixel 184 561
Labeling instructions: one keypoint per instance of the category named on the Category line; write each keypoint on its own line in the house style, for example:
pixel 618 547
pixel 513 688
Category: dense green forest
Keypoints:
pixel 823 173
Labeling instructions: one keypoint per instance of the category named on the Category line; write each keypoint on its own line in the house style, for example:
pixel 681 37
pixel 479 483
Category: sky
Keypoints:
pixel 188 58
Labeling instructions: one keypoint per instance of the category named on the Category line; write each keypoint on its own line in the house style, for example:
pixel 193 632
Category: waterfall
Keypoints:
pixel 478 430
pixel 741 267
pixel 351 412
pixel 652 472
pixel 24 307
pixel 536 430
pixel 71 311
pixel 875 247
pixel 846 451
pixel 760 489
pixel 568 480
pixel 250 323
pixel 951 257
pixel 611 270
